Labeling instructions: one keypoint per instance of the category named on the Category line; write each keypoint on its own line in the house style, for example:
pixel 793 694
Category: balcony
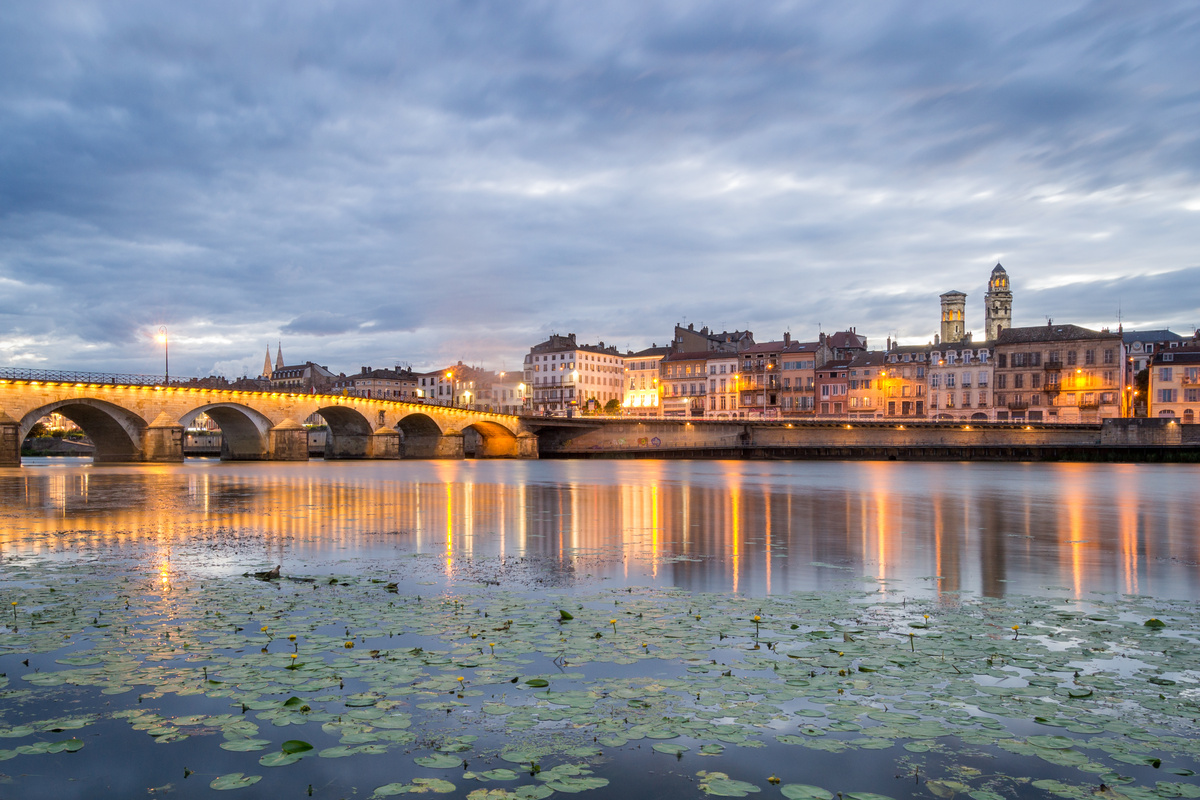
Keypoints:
pixel 1052 388
pixel 1018 405
pixel 1089 404
pixel 1052 366
pixel 1186 381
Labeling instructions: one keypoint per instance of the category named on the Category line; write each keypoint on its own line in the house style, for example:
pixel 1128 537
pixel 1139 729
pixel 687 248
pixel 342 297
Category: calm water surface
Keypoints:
pixel 137 569
pixel 749 527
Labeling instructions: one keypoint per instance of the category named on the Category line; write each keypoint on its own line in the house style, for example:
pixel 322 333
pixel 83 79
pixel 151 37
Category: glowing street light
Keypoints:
pixel 161 338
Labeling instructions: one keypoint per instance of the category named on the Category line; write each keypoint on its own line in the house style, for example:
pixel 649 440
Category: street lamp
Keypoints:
pixel 162 339
pixel 450 377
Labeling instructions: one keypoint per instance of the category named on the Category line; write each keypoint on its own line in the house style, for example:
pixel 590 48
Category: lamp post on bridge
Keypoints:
pixel 163 339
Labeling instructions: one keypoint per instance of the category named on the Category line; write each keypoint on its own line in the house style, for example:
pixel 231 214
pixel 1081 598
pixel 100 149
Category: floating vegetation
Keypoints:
pixel 347 668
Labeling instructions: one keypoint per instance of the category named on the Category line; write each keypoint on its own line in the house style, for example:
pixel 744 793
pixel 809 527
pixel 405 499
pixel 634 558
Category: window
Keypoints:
pixel 1109 356
pixel 1191 395
pixel 1035 380
pixel 1071 358
pixel 1001 381
pixel 1002 360
pixel 1089 356
pixel 1167 395
pixel 1019 381
pixel 1165 373
pixel 935 380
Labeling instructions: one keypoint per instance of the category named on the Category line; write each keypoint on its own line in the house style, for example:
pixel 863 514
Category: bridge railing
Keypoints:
pixel 63 376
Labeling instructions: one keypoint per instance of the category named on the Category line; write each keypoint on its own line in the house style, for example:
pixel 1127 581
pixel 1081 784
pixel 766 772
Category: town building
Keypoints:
pixel 1175 384
pixel 904 382
pixel 1140 347
pixel 833 388
pixel 306 378
pixel 722 385
pixel 845 345
pixel 865 399
pixel 566 376
pixel 642 397
pixel 690 340
pixel 684 381
pixel 960 381
pixel 761 378
pixel 387 384
pixel 1058 373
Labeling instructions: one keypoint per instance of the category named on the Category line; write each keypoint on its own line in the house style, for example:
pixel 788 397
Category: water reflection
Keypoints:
pixel 709 526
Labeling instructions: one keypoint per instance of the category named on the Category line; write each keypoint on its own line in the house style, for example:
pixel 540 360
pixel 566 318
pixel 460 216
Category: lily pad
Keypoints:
pixel 439 761
pixel 803 791
pixel 234 780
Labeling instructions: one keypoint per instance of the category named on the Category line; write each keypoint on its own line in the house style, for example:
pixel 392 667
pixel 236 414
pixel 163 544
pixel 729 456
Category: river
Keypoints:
pixel 513 630
pixel 720 526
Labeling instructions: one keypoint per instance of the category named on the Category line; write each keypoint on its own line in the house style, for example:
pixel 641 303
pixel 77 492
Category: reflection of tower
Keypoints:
pixel 954 307
pixel 997 304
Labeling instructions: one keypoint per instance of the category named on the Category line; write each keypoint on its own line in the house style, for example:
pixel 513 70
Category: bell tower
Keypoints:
pixel 997 304
pixel 954 307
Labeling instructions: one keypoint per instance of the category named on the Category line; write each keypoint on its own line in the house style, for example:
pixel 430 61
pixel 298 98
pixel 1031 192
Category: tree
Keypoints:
pixel 612 406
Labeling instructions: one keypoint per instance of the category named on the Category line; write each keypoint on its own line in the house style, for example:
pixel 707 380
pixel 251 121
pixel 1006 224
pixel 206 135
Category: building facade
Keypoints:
pixel 565 377
pixel 960 382
pixel 642 395
pixel 904 381
pixel 1058 373
pixel 1175 384
pixel 684 380
pixel 388 384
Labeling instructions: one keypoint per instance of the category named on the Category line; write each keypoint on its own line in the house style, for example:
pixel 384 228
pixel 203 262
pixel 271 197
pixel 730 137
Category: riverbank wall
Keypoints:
pixel 1122 440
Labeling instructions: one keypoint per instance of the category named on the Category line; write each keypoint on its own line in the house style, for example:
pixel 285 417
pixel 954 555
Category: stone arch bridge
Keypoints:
pixel 147 423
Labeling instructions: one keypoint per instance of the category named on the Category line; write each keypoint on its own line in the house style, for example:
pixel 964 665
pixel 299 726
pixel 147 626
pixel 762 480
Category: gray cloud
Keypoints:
pixel 426 182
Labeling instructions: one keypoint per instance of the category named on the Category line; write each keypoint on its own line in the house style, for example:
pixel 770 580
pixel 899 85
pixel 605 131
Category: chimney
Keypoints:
pixel 691 326
pixel 889 343
pixel 787 338
pixel 937 338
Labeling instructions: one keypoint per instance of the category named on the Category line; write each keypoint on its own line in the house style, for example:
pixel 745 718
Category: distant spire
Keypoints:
pixel 267 363
pixel 279 357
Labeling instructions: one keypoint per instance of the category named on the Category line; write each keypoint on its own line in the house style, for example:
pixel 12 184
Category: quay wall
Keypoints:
pixel 1115 440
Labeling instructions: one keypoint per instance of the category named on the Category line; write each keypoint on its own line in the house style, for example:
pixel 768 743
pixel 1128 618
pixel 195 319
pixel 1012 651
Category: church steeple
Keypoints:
pixel 279 357
pixel 997 304
pixel 267 371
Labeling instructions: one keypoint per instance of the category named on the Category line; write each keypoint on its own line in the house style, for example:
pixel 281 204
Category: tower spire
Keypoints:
pixel 266 373
pixel 279 357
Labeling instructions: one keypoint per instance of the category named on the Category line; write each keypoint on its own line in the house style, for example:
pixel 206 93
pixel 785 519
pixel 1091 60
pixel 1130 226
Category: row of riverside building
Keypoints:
pixel 1052 373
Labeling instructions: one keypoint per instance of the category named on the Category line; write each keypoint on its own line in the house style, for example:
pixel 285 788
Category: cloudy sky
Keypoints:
pixel 428 182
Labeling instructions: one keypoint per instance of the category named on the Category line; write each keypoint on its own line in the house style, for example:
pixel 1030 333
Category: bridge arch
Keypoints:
pixel 420 436
pixel 349 432
pixel 116 432
pixel 243 430
pixel 491 440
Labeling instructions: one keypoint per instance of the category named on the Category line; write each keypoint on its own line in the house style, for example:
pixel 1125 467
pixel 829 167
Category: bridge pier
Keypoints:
pixel 384 443
pixel 10 441
pixel 287 441
pixel 450 446
pixel 162 441
pixel 527 445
